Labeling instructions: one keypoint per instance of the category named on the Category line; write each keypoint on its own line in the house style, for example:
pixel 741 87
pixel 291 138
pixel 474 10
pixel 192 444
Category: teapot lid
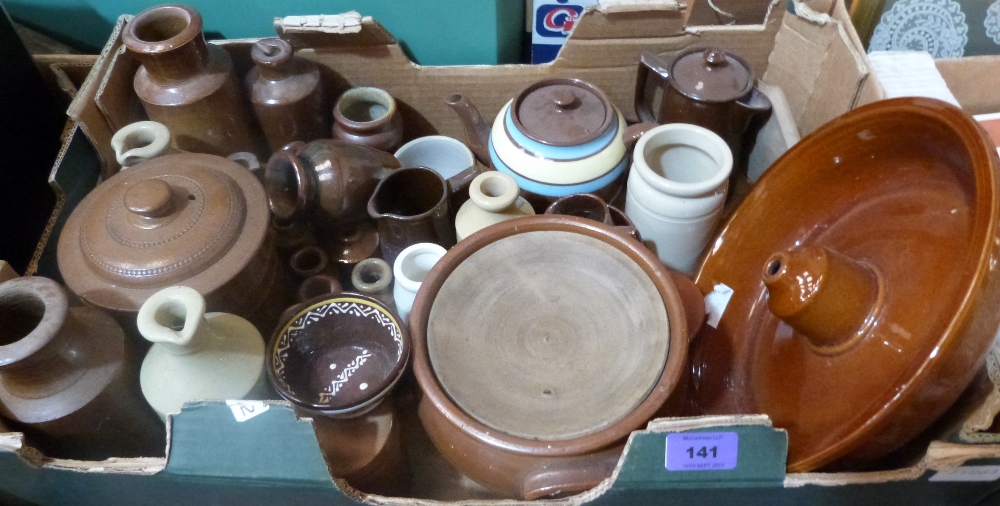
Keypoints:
pixel 713 74
pixel 191 219
pixel 562 112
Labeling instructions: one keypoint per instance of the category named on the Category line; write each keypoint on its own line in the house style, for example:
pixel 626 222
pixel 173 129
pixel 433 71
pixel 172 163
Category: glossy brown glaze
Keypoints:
pixel 337 355
pixel 712 88
pixel 888 215
pixel 327 181
pixel 64 379
pixel 410 206
pixel 189 219
pixel 369 117
pixel 353 243
pixel 188 85
pixel 500 460
pixel 287 94
pixel 308 261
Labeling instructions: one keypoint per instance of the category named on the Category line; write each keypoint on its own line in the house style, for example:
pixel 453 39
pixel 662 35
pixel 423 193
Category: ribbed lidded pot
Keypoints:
pixel 559 137
pixel 193 219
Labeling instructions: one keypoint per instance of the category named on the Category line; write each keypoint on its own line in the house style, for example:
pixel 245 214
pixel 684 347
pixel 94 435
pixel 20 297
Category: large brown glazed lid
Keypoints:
pixel 191 219
pixel 548 335
pixel 711 75
pixel 562 112
pixel 864 289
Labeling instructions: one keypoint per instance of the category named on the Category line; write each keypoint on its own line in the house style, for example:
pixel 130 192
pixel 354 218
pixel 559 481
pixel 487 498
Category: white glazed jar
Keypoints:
pixel 409 271
pixel 197 356
pixel 676 190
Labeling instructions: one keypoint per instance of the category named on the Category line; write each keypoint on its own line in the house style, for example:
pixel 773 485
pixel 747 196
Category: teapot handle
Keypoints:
pixel 648 62
pixel 755 104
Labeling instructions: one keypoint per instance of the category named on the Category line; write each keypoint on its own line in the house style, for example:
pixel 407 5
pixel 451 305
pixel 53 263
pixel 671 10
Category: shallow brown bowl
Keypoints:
pixel 904 190
pixel 338 354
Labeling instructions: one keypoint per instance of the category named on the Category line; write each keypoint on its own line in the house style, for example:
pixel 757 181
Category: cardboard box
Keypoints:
pixel 274 457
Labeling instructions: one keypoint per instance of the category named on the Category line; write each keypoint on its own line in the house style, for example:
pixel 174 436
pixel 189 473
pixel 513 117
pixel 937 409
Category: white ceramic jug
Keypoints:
pixel 141 141
pixel 197 356
pixel 676 190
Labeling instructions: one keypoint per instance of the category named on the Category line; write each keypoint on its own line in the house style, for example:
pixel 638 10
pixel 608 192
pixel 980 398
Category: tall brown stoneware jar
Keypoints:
pixel 64 378
pixel 187 84
pixel 287 95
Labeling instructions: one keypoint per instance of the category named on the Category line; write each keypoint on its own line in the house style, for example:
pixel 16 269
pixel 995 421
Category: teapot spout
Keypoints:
pixel 477 132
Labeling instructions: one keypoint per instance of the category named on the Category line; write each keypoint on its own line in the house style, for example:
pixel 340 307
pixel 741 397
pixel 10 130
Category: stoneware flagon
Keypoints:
pixel 188 85
pixel 368 117
pixel 676 191
pixel 709 87
pixel 327 181
pixel 557 424
pixel 197 355
pixel 493 197
pixel 193 219
pixel 64 378
pixel 287 94
pixel 862 273
pixel 556 137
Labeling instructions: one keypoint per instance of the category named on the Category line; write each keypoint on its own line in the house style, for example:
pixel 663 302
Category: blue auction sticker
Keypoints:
pixel 702 451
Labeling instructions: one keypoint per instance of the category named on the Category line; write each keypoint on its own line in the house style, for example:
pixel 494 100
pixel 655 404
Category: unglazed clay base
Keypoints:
pixel 549 335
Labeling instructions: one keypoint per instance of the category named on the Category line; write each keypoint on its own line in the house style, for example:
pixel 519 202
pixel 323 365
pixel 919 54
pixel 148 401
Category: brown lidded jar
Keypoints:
pixel 187 84
pixel 65 380
pixel 188 219
pixel 287 94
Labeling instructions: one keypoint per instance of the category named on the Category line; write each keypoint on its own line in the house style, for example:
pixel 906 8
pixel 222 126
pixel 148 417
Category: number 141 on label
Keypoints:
pixel 702 451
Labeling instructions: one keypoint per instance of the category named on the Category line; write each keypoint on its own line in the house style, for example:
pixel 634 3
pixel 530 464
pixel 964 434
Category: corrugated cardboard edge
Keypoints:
pixel 90 119
pixel 66 137
pixel 613 6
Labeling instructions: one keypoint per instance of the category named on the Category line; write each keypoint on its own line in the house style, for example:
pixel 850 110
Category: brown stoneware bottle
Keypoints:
pixel 287 94
pixel 187 84
pixel 64 379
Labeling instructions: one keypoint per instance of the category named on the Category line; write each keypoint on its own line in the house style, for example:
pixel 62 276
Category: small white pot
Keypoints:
pixel 409 271
pixel 676 190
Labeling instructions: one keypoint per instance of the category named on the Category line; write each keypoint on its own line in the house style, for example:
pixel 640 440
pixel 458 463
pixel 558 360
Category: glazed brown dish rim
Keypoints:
pixel 612 433
pixel 379 390
pixel 985 165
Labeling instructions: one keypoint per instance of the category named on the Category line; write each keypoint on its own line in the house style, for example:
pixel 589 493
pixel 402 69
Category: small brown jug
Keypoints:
pixel 64 379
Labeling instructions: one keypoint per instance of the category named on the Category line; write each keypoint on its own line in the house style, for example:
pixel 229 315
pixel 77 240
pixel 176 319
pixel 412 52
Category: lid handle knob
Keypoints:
pixel 715 57
pixel 150 198
pixel 565 99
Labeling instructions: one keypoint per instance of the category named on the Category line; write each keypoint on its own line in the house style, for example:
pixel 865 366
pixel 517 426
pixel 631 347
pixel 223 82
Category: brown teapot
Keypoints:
pixel 712 88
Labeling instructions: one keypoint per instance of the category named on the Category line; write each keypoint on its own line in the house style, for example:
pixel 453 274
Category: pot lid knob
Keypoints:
pixel 150 198
pixel 715 57
pixel 565 99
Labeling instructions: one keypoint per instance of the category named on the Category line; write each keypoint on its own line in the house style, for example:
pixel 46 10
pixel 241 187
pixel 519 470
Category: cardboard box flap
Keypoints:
pixel 817 66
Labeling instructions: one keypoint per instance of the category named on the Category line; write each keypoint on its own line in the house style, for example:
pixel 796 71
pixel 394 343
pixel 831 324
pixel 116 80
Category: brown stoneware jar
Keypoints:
pixel 287 94
pixel 190 219
pixel 368 116
pixel 187 84
pixel 520 333
pixel 326 181
pixel 864 288
pixel 64 378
